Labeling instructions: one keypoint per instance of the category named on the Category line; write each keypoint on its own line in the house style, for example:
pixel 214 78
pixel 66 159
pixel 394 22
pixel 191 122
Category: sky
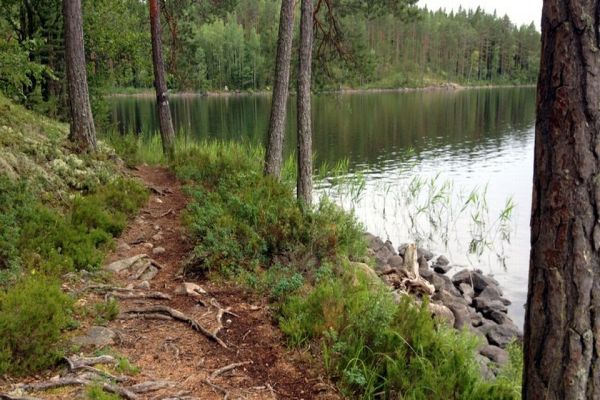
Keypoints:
pixel 519 11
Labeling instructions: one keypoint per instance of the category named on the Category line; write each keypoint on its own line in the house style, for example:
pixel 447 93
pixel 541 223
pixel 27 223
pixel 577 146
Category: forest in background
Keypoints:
pixel 230 45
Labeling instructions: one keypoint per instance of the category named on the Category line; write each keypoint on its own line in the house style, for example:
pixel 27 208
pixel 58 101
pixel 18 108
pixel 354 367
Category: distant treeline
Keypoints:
pixel 219 44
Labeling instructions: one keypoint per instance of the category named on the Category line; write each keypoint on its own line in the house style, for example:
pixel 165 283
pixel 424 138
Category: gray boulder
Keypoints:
pixel 423 264
pixel 474 278
pixel 502 335
pixel 426 254
pixel 442 269
pixel 495 354
pixel 396 262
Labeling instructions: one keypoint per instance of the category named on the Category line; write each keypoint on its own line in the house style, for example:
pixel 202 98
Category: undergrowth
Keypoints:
pixel 251 228
pixel 59 213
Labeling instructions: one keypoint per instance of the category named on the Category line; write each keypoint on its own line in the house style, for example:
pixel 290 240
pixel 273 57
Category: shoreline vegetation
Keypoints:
pixel 448 86
pixel 312 265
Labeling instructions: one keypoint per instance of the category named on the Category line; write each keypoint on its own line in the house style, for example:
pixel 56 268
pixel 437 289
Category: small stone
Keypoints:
pixel 156 228
pixel 442 260
pixel 125 263
pixel 423 264
pixel 149 274
pixel 158 237
pixel 122 247
pixel 144 285
pixel 396 262
pixel 158 250
pixel 428 255
pixel 384 269
pixel 157 200
pixel 148 245
pixel 442 269
pixel 97 336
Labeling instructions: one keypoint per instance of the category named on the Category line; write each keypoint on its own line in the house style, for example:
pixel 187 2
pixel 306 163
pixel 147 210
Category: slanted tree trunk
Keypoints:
pixel 274 154
pixel 167 132
pixel 304 183
pixel 82 130
pixel 562 323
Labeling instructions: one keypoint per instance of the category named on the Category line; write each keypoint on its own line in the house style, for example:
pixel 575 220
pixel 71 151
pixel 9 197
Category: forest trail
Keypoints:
pixel 170 350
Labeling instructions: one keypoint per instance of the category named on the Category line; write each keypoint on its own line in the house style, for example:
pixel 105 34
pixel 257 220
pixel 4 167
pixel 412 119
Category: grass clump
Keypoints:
pixel 32 315
pixel 96 392
pixel 376 348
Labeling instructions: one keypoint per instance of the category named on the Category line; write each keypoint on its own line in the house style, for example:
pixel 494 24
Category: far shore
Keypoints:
pixel 145 93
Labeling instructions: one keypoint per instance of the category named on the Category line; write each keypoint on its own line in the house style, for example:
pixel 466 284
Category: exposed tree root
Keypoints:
pixel 177 315
pixel 76 362
pixel 150 386
pixel 227 368
pixel 136 294
pixel 77 381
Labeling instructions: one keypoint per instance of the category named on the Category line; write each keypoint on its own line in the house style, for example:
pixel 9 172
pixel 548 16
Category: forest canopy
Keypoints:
pixel 229 45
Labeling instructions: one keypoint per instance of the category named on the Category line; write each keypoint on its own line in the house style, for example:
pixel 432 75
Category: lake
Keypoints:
pixel 451 170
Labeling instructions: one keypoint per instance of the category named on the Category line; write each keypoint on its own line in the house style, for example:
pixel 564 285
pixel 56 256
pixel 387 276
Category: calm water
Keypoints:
pixel 398 144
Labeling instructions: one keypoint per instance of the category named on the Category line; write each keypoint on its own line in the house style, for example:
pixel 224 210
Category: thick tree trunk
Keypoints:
pixel 304 183
pixel 562 327
pixel 167 132
pixel 82 130
pixel 274 155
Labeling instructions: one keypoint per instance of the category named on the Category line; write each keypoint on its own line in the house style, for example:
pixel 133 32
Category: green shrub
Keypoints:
pixel 35 236
pixel 243 219
pixel 32 315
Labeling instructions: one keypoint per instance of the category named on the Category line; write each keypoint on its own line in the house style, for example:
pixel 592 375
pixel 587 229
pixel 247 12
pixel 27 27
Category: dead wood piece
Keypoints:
pixel 227 368
pixel 217 388
pixel 178 315
pixel 75 362
pixel 146 316
pixel 136 294
pixel 151 386
pixel 6 396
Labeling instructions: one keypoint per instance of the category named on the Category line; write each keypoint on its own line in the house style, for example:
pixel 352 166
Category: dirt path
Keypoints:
pixel 172 351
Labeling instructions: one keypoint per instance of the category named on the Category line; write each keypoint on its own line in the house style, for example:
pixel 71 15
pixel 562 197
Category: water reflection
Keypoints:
pixel 472 138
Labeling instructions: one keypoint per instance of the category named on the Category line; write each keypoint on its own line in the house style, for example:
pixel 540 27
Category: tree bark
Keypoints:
pixel 562 324
pixel 82 130
pixel 274 154
pixel 304 179
pixel 167 132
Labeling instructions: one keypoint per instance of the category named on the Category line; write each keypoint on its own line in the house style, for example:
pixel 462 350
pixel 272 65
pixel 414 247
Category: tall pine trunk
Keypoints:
pixel 304 183
pixel 562 323
pixel 82 130
pixel 274 154
pixel 167 132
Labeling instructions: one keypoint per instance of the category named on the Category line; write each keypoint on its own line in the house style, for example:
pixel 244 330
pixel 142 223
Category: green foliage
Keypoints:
pixel 106 311
pixel 243 220
pixel 32 315
pixel 95 392
pixel 124 366
pixel 375 346
pixel 34 236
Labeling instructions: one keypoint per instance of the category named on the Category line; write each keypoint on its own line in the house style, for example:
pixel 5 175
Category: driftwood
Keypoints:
pixel 414 282
pixel 177 315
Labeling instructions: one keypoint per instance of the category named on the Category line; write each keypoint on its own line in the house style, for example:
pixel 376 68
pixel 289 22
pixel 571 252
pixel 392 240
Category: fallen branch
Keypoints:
pixel 74 381
pixel 227 368
pixel 145 316
pixel 6 396
pixel 178 315
pixel 76 362
pixel 150 386
pixel 135 294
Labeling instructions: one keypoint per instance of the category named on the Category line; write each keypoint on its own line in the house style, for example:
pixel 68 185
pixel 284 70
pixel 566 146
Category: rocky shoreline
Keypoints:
pixel 467 300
